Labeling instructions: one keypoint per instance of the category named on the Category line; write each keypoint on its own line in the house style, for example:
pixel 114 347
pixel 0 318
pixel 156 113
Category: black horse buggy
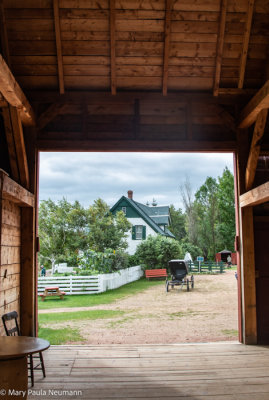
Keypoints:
pixel 179 275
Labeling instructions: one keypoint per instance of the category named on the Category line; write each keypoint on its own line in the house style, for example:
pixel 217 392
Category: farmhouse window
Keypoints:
pixel 123 209
pixel 138 232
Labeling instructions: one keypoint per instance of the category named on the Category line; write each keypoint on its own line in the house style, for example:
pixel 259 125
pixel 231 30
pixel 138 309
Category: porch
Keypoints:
pixel 219 371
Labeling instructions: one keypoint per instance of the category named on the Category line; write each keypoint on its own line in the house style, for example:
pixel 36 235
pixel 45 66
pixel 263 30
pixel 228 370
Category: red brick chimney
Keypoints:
pixel 130 194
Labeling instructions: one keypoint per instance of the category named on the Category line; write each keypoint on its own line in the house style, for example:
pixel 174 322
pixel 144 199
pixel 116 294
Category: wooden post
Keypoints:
pixel 28 281
pixel 247 260
pixel 249 283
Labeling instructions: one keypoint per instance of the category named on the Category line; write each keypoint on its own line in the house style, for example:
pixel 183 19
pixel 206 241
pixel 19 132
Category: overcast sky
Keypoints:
pixel 88 176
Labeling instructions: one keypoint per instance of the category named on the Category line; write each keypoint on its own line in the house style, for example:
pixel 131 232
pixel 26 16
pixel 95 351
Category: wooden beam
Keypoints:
pixel 245 44
pixel 132 145
pixel 220 43
pixel 20 147
pixel 258 195
pixel 3 34
pixel 13 191
pixel 259 102
pixel 11 144
pixel 13 94
pixel 255 148
pixel 167 37
pixel 51 112
pixel 249 283
pixel 113 47
pixel 58 45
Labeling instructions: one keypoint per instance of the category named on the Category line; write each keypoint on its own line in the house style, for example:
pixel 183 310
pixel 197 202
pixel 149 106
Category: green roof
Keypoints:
pixel 145 212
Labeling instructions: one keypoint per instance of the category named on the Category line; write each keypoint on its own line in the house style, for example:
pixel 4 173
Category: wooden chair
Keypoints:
pixel 15 331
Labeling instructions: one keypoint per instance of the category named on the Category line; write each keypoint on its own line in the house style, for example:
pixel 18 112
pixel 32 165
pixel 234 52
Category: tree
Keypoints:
pixel 190 212
pixel 62 231
pixel 156 251
pixel 226 211
pixel 207 211
pixel 107 230
pixel 178 220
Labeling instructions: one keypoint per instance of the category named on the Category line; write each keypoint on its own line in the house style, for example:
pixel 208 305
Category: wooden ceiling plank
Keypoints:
pixel 258 195
pixel 58 45
pixel 51 112
pixel 220 45
pixel 3 34
pixel 244 54
pixel 255 148
pixel 13 94
pixel 112 20
pixel 11 144
pixel 259 102
pixel 20 147
pixel 167 38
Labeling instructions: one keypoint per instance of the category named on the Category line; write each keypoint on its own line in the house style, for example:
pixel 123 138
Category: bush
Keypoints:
pixel 156 251
pixel 105 262
pixel 133 260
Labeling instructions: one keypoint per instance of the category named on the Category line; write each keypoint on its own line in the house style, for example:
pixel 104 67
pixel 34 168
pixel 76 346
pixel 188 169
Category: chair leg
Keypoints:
pixel 42 364
pixel 32 370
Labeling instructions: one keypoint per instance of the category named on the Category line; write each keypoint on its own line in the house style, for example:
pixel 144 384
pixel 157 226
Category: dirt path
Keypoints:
pixel 208 313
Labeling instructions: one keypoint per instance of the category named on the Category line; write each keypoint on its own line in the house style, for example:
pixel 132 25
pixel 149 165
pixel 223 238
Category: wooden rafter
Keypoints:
pixel 113 47
pixel 11 144
pixel 255 196
pixel 255 148
pixel 220 43
pixel 20 147
pixel 13 94
pixel 167 36
pixel 259 102
pixel 58 45
pixel 3 34
pixel 245 44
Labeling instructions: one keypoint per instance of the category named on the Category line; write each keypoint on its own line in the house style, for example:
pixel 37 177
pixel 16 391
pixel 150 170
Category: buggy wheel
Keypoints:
pixel 167 286
pixel 192 281
pixel 188 285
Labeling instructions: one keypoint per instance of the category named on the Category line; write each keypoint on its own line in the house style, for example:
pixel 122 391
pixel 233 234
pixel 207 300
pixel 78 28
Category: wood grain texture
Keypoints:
pixel 259 102
pixel 256 196
pixel 227 370
pixel 112 27
pixel 255 148
pixel 58 44
pixel 244 54
pixel 14 95
pixel 220 44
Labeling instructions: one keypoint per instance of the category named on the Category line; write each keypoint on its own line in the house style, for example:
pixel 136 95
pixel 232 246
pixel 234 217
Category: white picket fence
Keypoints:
pixel 91 284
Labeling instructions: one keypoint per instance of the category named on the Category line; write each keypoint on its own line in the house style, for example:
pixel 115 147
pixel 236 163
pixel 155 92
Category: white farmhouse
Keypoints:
pixel 146 220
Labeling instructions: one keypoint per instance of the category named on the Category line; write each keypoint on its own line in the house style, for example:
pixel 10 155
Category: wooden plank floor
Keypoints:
pixel 216 371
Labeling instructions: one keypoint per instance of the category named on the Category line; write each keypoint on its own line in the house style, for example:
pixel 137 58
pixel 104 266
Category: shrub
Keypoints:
pixel 102 262
pixel 156 251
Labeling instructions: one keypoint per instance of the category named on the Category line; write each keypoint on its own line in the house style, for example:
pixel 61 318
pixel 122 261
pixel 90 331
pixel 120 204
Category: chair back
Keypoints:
pixel 10 321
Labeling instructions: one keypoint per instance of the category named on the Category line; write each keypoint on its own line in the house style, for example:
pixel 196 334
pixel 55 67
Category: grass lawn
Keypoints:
pixel 88 300
pixel 78 315
pixel 60 336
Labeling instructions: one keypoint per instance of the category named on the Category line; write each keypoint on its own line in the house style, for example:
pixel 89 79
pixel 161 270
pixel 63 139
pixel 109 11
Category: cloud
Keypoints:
pixel 88 176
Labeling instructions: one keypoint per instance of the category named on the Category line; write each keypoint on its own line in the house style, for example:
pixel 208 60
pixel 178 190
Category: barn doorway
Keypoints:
pixel 153 178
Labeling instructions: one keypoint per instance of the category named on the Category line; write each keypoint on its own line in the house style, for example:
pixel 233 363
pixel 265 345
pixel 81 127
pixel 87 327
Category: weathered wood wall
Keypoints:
pixel 10 258
pixel 17 253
